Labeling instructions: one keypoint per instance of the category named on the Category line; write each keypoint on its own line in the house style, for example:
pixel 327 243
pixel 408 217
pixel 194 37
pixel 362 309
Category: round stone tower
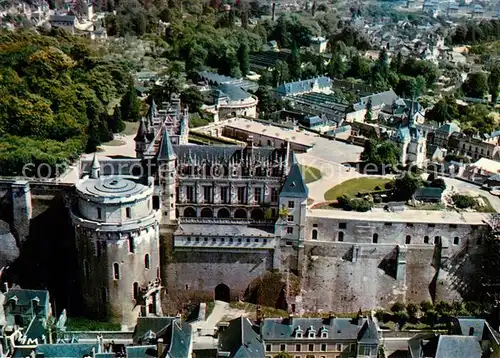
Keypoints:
pixel 117 239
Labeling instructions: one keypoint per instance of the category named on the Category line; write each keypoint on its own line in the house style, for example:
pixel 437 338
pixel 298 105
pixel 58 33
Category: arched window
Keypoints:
pixel 116 271
pixel 437 240
pixel 146 261
pixel 131 244
pixel 375 238
pixel 456 240
pixel 136 290
pixel 341 236
pixel 315 234
pixel 408 239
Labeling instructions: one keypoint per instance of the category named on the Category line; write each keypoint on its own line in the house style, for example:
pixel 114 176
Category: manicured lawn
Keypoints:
pixel 310 174
pixel 352 186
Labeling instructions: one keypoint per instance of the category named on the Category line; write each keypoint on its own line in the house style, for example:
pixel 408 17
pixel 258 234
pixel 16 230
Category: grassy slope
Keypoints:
pixel 353 186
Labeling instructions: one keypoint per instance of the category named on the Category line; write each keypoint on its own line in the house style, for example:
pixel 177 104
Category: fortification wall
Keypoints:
pixel 374 264
pixel 204 270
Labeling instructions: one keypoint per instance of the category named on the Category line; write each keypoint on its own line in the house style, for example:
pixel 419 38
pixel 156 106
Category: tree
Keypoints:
pixel 283 355
pixel 116 123
pixel 494 82
pixel 243 58
pixel 130 105
pixel 406 185
pixel 444 111
pixel 336 67
pixel 359 68
pixel 380 153
pixel 281 73
pixel 397 62
pixel 479 118
pixel 192 98
pixel 368 114
pixel 294 62
pixel 476 85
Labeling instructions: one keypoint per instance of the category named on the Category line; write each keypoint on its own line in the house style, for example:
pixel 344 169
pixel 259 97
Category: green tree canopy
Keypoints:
pixel 406 185
pixel 476 85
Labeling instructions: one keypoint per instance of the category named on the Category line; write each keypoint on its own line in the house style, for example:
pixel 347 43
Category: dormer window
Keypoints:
pixel 299 333
pixel 324 333
pixel 311 333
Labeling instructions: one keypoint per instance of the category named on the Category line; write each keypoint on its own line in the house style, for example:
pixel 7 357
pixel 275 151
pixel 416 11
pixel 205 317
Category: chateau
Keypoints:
pixel 182 219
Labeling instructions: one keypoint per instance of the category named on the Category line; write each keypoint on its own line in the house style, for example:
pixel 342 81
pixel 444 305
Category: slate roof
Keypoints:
pixel 105 355
pixel 294 186
pixel 476 324
pixel 166 151
pixel 217 79
pixel 179 338
pixel 458 347
pixel 65 350
pixel 142 351
pixel 378 99
pixel 428 193
pixel 154 324
pixel 230 230
pixel 312 121
pixel 141 132
pixel 35 330
pixel 368 333
pixel 224 153
pixel 422 345
pixel 449 128
pixel 292 88
pixel 234 92
pixel 240 340
pixel 338 328
pixel 24 297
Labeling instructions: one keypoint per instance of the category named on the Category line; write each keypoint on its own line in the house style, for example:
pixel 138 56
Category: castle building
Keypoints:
pixel 230 214
pixel 117 240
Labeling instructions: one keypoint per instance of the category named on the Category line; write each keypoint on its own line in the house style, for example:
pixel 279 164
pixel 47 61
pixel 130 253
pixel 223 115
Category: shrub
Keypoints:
pixel 354 204
pixel 431 317
pixel 401 317
pixel 463 201
pixel 412 310
pixel 389 185
pixel 426 306
pixel 438 183
pixel 398 307
pixel 377 199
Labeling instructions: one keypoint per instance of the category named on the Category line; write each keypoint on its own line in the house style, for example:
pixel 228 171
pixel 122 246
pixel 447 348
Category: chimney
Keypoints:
pixel 331 318
pixel 290 319
pixel 161 347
